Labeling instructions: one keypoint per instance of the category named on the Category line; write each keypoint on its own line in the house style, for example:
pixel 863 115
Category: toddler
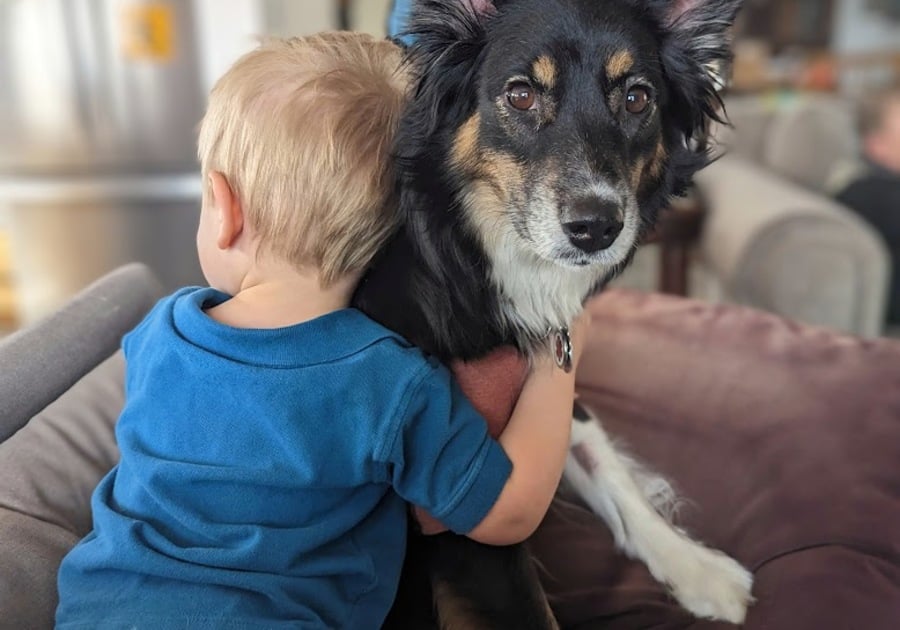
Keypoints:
pixel 272 435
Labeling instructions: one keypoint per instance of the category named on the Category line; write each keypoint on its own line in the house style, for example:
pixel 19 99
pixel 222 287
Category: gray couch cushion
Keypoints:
pixel 780 247
pixel 39 363
pixel 49 468
pixel 48 471
pixel 805 142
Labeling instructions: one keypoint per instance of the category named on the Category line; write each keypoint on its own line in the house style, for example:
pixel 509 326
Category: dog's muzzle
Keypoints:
pixel 592 223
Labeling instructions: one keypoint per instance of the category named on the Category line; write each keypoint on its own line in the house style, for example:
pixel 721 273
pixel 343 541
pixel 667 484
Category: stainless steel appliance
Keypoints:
pixel 99 103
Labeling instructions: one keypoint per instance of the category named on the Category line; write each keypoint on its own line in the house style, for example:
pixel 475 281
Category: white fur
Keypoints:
pixel 539 295
pixel 706 582
pixel 541 289
pixel 551 244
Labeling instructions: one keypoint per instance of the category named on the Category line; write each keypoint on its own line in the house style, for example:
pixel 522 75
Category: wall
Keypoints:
pixel 859 30
pixel 228 28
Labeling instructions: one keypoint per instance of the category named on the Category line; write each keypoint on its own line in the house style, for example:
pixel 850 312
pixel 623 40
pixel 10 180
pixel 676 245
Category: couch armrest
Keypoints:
pixel 779 247
pixel 41 362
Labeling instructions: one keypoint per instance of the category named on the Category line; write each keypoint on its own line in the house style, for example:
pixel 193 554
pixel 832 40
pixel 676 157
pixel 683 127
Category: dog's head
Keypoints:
pixel 563 125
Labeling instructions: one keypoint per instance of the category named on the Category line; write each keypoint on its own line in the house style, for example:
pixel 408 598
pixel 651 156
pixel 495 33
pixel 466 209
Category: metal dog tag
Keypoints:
pixel 562 349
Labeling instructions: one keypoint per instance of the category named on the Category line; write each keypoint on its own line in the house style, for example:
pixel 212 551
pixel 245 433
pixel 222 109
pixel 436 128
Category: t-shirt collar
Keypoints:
pixel 326 338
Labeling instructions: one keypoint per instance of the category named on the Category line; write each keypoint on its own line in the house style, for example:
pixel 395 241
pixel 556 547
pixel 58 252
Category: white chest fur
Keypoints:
pixel 538 294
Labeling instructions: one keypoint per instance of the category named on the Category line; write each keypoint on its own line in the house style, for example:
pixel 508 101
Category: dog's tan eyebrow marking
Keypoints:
pixel 544 70
pixel 651 167
pixel 618 65
pixel 637 173
pixel 465 144
pixel 500 171
pixel 658 159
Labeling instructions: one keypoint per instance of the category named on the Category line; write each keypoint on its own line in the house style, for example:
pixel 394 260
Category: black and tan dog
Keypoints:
pixel 542 139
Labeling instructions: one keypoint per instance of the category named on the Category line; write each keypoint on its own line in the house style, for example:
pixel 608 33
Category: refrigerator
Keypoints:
pixel 99 106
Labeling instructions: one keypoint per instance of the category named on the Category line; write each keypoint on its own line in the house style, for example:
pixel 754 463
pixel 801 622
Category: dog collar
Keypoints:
pixel 561 346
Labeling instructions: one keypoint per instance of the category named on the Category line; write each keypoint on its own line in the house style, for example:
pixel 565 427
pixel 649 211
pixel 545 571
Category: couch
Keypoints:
pixel 773 238
pixel 783 438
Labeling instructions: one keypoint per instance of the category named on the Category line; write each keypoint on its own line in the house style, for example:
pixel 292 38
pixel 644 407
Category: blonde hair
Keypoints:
pixel 302 129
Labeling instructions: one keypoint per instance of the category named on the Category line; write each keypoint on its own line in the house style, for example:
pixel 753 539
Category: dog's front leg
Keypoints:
pixel 413 609
pixel 453 583
pixel 484 587
pixel 705 581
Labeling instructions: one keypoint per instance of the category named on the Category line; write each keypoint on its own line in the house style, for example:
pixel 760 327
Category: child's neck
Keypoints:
pixel 282 298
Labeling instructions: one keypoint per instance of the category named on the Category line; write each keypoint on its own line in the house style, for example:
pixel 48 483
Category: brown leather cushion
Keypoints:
pixel 786 441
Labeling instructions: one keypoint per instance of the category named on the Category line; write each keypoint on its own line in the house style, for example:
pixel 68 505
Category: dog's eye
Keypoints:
pixel 637 100
pixel 521 96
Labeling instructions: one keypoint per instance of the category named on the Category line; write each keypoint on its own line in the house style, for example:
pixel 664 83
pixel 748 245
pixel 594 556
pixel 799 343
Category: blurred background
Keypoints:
pixel 99 102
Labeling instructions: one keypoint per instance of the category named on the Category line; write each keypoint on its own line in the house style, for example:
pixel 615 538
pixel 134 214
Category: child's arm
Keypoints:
pixel 441 457
pixel 536 441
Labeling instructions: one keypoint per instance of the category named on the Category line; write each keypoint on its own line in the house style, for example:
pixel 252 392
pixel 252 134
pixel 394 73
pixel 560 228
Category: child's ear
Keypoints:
pixel 228 210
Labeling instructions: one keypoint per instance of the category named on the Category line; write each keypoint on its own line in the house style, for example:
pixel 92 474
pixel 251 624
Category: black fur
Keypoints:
pixel 416 287
pixel 433 283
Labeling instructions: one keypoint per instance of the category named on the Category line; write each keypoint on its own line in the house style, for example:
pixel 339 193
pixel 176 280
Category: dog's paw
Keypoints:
pixel 714 586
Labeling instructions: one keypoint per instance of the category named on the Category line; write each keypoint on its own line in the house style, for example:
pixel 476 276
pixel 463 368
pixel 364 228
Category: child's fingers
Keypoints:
pixel 428 525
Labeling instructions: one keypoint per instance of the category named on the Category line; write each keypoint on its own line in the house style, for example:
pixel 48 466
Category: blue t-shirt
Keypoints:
pixel 263 474
pixel 398 20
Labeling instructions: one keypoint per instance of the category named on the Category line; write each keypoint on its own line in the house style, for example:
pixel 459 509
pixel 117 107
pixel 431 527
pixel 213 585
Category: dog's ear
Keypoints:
pixel 699 31
pixel 695 51
pixel 483 8
pixel 443 22
pixel 722 11
pixel 448 38
pixel 701 27
pixel 696 54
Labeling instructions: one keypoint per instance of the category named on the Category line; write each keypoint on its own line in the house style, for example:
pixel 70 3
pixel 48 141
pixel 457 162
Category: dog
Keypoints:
pixel 541 141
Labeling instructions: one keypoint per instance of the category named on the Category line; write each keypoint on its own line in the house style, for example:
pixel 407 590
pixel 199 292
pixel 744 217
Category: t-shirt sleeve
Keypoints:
pixel 441 456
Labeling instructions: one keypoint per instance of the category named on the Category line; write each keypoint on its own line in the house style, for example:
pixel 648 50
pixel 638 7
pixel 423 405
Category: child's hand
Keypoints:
pixel 536 441
pixel 579 333
pixel 428 525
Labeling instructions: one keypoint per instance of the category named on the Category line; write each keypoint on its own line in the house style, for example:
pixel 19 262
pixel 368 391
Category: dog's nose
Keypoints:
pixel 592 223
